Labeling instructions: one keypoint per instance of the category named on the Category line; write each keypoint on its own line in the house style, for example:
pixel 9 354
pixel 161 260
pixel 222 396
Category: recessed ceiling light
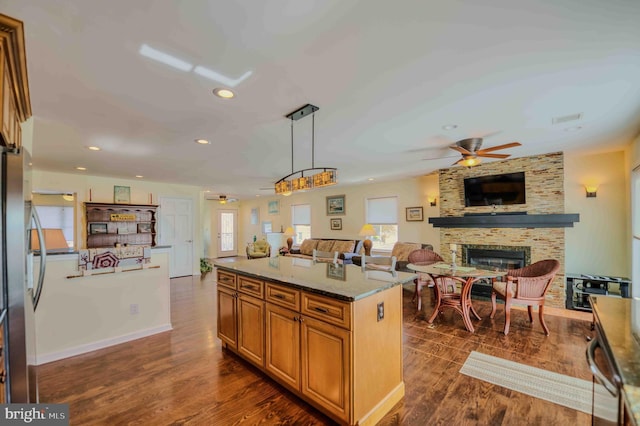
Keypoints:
pixel 94 148
pixel 206 190
pixel 573 129
pixel 449 126
pixel 202 141
pixel 257 195
pixel 224 93
pixel 165 58
pixel 81 168
pixel 139 176
pixel 371 179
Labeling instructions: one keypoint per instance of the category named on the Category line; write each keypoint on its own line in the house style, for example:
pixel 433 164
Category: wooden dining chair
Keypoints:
pixel 423 257
pixel 449 295
pixel 325 256
pixel 385 263
pixel 528 286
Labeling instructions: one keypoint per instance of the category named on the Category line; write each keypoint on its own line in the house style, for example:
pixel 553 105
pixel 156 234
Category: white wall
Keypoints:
pixel 634 161
pixel 101 188
pixel 78 315
pixel 599 243
pixel 411 192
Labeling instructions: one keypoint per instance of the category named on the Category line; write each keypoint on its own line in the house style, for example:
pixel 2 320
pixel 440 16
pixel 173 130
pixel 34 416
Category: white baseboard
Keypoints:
pixel 100 344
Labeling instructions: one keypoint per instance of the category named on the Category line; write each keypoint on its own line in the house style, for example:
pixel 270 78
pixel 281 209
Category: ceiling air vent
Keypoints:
pixel 566 118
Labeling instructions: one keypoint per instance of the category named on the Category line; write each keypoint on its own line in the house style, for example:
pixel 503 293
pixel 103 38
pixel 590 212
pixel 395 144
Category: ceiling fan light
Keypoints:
pixel 470 161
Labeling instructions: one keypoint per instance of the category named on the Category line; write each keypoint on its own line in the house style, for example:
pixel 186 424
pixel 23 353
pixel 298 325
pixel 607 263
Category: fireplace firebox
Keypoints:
pixel 494 257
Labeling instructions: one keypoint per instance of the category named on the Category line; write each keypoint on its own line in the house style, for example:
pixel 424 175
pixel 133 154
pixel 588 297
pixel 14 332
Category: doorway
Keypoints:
pixel 227 233
pixel 176 230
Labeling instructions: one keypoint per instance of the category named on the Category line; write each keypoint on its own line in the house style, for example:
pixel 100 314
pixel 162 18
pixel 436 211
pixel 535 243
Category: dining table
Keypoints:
pixel 445 277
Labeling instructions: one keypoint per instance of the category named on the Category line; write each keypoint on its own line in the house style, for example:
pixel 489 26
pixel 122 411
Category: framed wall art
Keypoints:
pixel 336 224
pixel 121 194
pixel 274 207
pixel 97 228
pixel 336 205
pixel 414 214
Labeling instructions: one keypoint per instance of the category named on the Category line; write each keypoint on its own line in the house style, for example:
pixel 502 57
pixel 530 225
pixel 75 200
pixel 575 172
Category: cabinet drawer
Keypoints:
pixel 251 286
pixel 283 296
pixel 227 279
pixel 325 309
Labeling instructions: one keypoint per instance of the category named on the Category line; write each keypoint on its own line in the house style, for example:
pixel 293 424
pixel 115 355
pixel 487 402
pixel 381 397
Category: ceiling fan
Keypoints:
pixel 222 199
pixel 471 149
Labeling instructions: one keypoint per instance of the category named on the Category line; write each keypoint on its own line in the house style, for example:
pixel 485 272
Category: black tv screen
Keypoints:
pixel 495 189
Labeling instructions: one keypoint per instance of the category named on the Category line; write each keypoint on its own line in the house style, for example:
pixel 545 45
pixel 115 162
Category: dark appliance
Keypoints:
pixel 508 188
pixel 20 295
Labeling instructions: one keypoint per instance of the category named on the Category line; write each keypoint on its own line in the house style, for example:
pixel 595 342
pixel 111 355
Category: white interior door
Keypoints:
pixel 176 230
pixel 227 233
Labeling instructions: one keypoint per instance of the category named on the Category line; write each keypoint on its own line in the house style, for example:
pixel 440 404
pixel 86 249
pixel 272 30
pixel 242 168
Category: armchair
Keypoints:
pixel 258 249
pixel 528 286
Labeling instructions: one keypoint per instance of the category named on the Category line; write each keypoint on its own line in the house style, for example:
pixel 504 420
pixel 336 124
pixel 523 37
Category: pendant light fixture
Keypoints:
pixel 296 180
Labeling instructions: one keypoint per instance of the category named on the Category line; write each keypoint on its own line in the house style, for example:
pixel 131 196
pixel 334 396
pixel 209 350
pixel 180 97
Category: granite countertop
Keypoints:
pixel 619 319
pixel 344 282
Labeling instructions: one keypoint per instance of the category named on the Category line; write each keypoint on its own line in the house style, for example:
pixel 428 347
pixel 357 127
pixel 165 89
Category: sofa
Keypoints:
pixel 346 249
pixel 401 251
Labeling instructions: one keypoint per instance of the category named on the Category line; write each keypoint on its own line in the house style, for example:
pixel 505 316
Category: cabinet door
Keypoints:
pixel 326 366
pixel 282 358
pixel 227 317
pixel 251 329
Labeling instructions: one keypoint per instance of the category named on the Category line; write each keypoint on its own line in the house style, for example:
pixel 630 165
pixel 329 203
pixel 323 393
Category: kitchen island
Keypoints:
pixel 330 333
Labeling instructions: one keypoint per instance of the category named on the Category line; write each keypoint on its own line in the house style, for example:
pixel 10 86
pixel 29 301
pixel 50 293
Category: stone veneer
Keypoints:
pixel 544 186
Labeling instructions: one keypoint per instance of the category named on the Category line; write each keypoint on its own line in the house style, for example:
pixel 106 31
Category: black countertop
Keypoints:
pixel 344 282
pixel 619 319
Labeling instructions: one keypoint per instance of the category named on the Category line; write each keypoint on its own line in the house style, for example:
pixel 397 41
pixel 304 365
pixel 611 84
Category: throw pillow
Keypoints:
pixel 325 245
pixel 307 247
pixel 343 246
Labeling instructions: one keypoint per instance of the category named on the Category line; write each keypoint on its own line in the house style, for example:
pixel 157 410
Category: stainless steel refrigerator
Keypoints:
pixel 20 296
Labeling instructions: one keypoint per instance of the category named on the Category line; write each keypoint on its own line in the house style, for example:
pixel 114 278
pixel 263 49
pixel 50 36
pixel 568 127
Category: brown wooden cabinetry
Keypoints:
pixel 131 224
pixel 340 356
pixel 15 106
pixel 241 316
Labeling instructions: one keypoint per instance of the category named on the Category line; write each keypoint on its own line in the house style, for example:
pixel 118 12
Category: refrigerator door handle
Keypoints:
pixel 43 258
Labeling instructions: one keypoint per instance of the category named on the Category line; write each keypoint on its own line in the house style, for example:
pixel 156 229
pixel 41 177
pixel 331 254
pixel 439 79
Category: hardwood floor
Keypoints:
pixel 184 377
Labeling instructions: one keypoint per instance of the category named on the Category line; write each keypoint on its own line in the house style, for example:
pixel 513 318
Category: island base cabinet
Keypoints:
pixel 240 324
pixel 227 317
pixel 251 329
pixel 325 366
pixel 282 358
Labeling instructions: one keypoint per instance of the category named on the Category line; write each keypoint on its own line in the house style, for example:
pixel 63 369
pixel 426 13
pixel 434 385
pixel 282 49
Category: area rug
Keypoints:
pixel 553 387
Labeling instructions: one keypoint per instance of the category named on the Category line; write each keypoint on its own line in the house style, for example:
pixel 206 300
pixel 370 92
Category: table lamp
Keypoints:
pixel 289 232
pixel 53 239
pixel 367 230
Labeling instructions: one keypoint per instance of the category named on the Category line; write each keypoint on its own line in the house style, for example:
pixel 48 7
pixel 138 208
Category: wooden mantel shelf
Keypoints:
pixel 507 221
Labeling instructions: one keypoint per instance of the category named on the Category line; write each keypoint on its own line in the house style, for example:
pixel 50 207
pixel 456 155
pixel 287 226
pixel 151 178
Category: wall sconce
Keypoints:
pixel 432 201
pixel 591 190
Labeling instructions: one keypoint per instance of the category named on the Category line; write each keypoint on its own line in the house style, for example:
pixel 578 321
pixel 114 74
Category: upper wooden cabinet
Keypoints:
pixel 15 105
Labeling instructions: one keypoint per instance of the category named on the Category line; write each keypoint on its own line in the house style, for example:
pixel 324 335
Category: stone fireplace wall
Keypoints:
pixel 544 186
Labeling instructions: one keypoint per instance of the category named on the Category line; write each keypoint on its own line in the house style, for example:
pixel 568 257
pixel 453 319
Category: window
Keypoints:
pixel 301 220
pixel 57 217
pixel 382 213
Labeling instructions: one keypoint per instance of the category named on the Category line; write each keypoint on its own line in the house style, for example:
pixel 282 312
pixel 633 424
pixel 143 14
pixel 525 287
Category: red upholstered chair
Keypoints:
pixel 423 257
pixel 526 286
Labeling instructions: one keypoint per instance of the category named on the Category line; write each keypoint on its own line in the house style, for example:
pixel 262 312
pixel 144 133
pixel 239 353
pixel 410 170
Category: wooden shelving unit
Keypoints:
pixel 131 224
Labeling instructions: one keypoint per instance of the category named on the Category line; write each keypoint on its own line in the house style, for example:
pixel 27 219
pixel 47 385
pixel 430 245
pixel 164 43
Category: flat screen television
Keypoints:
pixel 501 189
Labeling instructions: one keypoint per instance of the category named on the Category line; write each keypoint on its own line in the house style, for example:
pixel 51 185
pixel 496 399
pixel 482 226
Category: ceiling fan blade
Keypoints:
pixel 458 162
pixel 487 155
pixel 461 150
pixel 439 158
pixel 497 147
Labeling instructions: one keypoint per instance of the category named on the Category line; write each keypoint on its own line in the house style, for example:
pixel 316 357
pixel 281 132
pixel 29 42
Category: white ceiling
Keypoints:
pixel 387 76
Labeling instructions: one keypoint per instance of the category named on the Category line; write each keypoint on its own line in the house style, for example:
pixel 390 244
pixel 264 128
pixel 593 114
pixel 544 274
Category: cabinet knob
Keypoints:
pixel 295 318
